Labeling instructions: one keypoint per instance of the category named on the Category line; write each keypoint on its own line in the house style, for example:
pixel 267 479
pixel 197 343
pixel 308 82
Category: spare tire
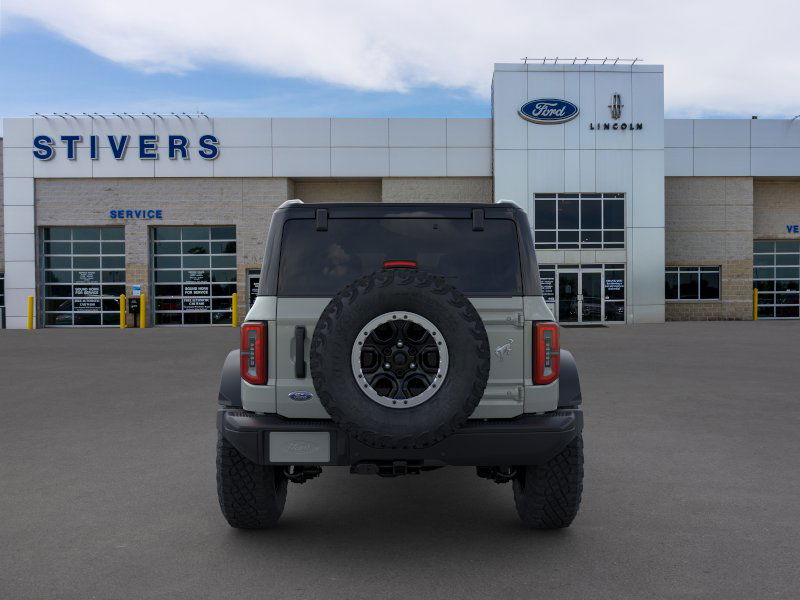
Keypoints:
pixel 400 359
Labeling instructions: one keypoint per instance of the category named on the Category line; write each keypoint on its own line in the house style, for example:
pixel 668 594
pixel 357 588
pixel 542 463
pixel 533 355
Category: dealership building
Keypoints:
pixel 636 218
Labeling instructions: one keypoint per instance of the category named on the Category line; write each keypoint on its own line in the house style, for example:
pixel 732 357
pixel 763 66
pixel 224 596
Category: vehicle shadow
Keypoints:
pixel 442 514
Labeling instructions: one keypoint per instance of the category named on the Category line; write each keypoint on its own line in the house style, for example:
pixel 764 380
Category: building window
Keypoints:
pixel 692 283
pixel 776 275
pixel 253 282
pixel 547 277
pixel 614 290
pixel 194 275
pixel 578 221
pixel 83 275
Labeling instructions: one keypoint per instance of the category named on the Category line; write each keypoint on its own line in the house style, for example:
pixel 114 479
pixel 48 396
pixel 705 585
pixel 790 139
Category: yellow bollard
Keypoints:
pixel 234 309
pixel 755 304
pixel 30 312
pixel 122 324
pixel 142 312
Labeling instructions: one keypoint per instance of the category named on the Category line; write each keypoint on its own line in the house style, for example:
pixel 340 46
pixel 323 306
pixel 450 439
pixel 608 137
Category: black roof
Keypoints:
pixel 451 210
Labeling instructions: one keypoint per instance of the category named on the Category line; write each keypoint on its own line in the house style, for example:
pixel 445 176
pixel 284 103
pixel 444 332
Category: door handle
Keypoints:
pixel 299 352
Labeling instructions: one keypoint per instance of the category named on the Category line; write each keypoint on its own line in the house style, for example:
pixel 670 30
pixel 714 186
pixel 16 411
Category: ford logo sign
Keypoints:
pixel 547 111
pixel 301 396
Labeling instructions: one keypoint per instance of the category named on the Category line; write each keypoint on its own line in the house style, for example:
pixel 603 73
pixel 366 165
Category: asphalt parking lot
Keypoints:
pixel 692 483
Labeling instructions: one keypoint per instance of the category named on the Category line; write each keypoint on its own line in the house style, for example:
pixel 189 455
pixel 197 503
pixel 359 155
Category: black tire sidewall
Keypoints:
pixel 548 496
pixel 396 291
pixel 251 496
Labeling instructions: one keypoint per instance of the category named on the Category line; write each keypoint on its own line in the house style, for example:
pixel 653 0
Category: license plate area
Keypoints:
pixel 299 447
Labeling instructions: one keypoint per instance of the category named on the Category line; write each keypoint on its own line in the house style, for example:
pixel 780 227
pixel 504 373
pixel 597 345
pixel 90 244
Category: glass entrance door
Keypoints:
pixel 568 292
pixel 580 298
pixel 591 297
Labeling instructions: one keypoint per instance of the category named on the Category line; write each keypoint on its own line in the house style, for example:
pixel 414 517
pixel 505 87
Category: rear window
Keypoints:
pixel 320 263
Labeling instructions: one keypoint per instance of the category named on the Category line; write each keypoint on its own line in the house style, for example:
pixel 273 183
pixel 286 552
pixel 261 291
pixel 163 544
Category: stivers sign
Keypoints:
pixel 149 146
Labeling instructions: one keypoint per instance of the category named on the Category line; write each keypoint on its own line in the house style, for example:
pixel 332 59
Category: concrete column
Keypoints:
pixel 18 220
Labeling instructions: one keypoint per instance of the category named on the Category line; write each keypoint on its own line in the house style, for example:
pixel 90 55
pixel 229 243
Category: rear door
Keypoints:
pixel 295 323
pixel 316 264
pixel 503 319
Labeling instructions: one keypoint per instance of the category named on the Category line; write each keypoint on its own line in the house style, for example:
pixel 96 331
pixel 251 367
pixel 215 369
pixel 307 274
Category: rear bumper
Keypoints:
pixel 525 440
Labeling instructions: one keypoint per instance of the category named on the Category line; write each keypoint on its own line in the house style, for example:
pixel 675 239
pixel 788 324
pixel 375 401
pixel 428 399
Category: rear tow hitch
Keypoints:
pixel 301 473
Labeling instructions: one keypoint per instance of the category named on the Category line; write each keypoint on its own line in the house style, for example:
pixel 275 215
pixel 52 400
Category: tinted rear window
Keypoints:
pixel 320 263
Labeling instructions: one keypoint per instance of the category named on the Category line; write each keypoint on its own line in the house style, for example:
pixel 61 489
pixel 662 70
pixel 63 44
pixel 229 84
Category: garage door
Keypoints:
pixel 776 274
pixel 82 275
pixel 194 275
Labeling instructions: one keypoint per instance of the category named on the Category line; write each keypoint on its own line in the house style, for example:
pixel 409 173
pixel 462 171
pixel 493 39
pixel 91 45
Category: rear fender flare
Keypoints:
pixel 569 383
pixel 230 384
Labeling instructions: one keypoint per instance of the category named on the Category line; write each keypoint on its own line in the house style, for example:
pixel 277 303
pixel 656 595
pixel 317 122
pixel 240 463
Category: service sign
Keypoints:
pixel 254 281
pixel 548 111
pixel 198 275
pixel 86 304
pixel 196 290
pixel 87 290
pixel 87 276
pixel 194 304
pixel 120 213
pixel 548 287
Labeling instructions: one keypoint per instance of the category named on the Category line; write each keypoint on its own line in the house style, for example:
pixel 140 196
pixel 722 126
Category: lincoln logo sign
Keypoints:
pixel 548 111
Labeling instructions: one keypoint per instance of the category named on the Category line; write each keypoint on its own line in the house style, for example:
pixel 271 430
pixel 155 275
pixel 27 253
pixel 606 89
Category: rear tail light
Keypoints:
pixel 253 353
pixel 546 353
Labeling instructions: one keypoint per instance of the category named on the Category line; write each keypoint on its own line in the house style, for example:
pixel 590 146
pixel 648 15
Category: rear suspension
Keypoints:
pixel 497 474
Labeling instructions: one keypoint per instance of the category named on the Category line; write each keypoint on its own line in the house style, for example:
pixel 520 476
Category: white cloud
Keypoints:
pixel 720 56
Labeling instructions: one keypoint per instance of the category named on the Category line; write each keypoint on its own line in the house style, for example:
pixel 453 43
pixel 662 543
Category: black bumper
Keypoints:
pixel 525 440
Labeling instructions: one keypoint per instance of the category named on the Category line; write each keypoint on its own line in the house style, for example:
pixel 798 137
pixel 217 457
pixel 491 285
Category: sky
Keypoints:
pixel 361 58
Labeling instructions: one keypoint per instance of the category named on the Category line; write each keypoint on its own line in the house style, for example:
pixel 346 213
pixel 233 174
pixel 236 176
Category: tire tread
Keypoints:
pixel 251 496
pixel 548 496
pixel 422 281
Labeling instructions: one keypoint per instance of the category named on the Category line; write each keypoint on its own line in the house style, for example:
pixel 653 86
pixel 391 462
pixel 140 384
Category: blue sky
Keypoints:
pixel 361 58
pixel 44 73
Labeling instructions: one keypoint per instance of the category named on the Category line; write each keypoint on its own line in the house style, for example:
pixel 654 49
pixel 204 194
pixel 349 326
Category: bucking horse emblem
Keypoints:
pixel 504 350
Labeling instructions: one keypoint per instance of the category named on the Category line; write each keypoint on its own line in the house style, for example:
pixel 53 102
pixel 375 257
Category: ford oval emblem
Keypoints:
pixel 301 396
pixel 301 447
pixel 548 111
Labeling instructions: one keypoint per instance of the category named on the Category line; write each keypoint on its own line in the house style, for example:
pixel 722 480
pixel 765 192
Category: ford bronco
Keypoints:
pixel 395 339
